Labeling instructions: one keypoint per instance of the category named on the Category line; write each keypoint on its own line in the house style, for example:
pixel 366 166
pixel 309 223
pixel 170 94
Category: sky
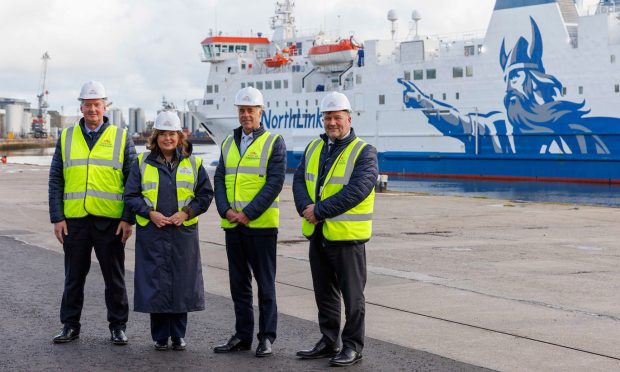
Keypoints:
pixel 142 50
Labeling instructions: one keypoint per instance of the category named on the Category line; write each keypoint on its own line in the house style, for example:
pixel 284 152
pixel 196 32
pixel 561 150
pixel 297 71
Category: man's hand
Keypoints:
pixel 159 219
pixel 231 215
pixel 125 228
pixel 309 214
pixel 242 218
pixel 60 230
pixel 178 218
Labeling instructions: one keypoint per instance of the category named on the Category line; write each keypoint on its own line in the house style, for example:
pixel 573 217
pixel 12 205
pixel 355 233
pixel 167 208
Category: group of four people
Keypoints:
pixel 98 189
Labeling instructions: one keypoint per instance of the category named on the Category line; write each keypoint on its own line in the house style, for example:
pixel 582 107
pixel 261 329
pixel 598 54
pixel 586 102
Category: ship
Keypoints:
pixel 536 97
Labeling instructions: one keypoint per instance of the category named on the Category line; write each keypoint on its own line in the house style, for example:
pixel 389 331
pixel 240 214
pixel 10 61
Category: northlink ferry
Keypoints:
pixel 537 97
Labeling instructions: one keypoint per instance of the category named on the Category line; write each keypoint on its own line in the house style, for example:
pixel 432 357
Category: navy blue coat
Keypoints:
pixel 57 179
pixel 168 273
pixel 276 171
pixel 360 185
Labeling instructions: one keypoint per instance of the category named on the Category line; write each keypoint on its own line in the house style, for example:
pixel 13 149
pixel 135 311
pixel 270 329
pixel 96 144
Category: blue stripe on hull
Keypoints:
pixel 596 169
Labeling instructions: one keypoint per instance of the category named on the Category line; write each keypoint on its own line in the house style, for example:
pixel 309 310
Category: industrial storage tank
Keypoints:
pixel 26 126
pixel 116 117
pixel 13 120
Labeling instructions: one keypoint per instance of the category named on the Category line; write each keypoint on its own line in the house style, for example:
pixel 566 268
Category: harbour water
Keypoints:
pixel 586 194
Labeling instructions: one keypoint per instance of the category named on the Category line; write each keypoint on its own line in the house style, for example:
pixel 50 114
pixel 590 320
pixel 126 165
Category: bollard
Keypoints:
pixel 381 184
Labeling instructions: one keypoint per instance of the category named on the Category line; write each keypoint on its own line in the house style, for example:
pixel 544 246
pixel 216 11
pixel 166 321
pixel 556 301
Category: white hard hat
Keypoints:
pixel 167 120
pixel 335 101
pixel 92 90
pixel 249 96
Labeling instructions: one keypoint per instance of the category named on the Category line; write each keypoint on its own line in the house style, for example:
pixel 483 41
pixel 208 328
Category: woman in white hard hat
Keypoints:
pixel 167 189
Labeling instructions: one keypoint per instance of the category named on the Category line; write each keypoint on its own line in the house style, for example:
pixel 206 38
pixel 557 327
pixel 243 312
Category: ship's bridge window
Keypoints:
pixel 217 49
pixel 457 72
pixel 268 84
pixel 431 73
pixel 242 85
pixel 209 102
pixel 612 58
pixel 241 48
pixel 407 75
pixel 285 84
pixel 418 74
pixel 617 88
pixel 382 99
pixel 231 48
pixel 469 71
pixel 251 84
pixel 480 48
pixel 207 51
pixel 277 84
pixel 209 88
pixel 259 85
pixel 469 50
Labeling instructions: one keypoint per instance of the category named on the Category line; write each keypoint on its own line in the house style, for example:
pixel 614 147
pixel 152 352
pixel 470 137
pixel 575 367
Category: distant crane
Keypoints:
pixel 38 123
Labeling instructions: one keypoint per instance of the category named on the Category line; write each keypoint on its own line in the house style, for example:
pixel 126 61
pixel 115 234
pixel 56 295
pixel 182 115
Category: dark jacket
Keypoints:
pixel 360 185
pixel 168 272
pixel 276 171
pixel 57 180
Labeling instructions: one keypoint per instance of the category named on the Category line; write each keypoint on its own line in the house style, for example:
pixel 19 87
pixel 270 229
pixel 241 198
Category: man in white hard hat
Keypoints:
pixel 334 194
pixel 248 180
pixel 86 181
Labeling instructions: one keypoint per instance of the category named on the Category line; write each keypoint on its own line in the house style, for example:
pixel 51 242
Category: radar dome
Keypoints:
pixel 416 16
pixel 392 16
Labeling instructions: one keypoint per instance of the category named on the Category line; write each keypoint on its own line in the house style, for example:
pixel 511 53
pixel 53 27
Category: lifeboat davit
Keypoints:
pixel 344 51
pixel 278 60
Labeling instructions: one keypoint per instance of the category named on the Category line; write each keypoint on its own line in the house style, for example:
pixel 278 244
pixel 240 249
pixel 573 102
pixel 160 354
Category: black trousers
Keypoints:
pixel 165 325
pixel 84 235
pixel 339 270
pixel 247 255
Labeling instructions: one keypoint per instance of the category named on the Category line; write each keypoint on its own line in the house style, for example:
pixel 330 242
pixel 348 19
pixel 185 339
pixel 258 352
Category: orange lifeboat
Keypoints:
pixel 278 60
pixel 343 51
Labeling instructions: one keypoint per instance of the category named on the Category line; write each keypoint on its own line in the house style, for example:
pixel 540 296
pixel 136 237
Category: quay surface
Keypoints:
pixel 29 143
pixel 491 283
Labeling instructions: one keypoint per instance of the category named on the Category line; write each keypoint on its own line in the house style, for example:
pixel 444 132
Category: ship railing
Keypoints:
pixel 449 112
pixel 192 105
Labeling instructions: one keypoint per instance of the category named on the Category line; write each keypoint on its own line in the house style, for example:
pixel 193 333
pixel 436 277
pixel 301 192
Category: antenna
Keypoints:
pixel 392 16
pixel 416 17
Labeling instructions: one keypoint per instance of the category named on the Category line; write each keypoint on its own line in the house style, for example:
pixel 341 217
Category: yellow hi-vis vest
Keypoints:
pixel 245 177
pixel 186 181
pixel 93 178
pixel 354 224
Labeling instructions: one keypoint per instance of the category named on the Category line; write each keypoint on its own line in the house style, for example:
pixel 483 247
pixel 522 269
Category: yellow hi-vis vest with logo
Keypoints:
pixel 186 181
pixel 93 178
pixel 354 224
pixel 245 177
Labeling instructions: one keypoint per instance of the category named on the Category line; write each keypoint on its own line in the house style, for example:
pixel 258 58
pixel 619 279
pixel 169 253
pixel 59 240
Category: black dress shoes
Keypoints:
pixel 234 344
pixel 161 345
pixel 118 337
pixel 66 335
pixel 346 357
pixel 320 350
pixel 264 348
pixel 178 343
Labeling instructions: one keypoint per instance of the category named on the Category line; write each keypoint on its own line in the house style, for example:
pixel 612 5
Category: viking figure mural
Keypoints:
pixel 534 119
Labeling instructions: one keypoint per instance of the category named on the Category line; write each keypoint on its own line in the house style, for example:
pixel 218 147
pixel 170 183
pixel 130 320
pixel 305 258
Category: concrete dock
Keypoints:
pixel 492 283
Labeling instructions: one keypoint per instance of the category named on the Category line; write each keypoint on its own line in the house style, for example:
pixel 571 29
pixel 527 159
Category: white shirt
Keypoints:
pixel 246 140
